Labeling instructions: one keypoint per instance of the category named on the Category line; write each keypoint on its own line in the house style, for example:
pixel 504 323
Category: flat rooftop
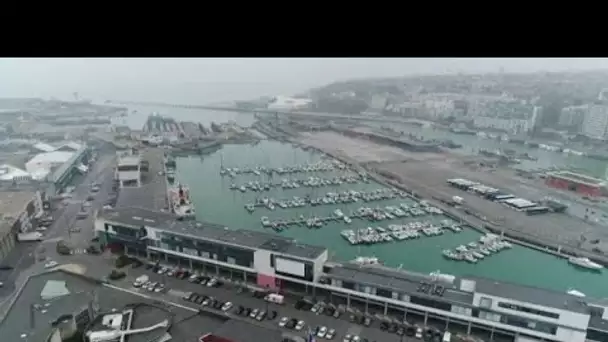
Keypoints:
pixel 530 294
pixel 12 203
pixel 20 320
pixel 398 280
pixel 407 282
pixel 128 160
pixel 137 217
pixel 577 177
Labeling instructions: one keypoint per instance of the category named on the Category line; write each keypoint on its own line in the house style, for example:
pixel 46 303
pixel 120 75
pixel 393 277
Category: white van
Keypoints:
pixel 275 298
pixel 141 280
pixel 447 336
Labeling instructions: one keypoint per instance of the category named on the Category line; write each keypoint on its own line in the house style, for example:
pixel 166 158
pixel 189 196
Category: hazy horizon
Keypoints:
pixel 191 80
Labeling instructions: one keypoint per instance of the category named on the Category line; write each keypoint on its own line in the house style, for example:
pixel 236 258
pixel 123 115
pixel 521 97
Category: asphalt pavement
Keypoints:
pixel 229 292
pixel 23 256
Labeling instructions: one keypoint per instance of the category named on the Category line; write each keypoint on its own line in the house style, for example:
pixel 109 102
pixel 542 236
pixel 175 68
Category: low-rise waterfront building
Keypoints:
pixel 468 303
pixel 128 172
pixel 583 184
pixel 17 211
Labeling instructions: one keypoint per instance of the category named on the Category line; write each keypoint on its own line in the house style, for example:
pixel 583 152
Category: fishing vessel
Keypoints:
pixel 179 197
pixel 585 263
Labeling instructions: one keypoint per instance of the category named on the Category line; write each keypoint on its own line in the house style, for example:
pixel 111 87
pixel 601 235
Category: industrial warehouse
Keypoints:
pixel 576 182
pixel 276 263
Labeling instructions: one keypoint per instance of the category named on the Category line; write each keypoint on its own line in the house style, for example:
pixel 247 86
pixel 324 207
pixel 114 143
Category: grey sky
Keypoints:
pixel 206 80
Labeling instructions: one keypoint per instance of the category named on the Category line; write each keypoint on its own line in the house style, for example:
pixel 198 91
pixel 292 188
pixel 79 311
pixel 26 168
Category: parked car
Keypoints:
pixel 418 333
pixel 212 282
pixel 239 310
pixel 322 331
pixel 261 315
pixel 254 313
pixel 330 334
pixel 116 275
pixel 283 321
pixel 300 325
pixel 51 264
pixel 291 323
pixel 159 288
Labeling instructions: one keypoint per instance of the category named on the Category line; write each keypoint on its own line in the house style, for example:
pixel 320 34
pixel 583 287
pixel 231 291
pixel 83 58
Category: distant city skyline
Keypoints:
pixel 212 80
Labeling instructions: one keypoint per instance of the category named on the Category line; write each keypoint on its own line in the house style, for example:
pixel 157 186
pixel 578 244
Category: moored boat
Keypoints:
pixel 585 263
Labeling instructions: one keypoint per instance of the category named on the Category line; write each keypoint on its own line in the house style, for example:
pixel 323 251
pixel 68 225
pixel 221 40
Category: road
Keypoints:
pixel 23 256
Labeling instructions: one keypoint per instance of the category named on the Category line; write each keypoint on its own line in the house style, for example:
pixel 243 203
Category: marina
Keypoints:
pixel 363 213
pixel 332 198
pixel 216 202
pixel 311 182
pixel 318 167
pixel 397 232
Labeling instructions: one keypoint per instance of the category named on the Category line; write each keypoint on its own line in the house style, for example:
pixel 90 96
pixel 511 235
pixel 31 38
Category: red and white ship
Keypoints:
pixel 179 198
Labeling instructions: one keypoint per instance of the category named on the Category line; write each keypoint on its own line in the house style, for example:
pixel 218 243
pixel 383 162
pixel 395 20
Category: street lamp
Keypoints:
pixel 267 287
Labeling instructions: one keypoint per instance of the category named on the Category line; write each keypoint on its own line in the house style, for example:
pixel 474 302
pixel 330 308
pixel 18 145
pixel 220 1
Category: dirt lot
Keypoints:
pixel 362 150
pixel 429 178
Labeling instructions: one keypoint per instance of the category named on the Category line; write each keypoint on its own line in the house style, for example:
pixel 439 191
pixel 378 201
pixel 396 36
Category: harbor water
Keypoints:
pixel 216 202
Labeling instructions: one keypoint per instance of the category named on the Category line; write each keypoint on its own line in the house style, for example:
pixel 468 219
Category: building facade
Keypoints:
pixel 63 175
pixel 511 116
pixel 128 170
pixel 582 184
pixel 469 304
pixel 263 259
pixel 19 210
pixel 573 116
pixel 595 125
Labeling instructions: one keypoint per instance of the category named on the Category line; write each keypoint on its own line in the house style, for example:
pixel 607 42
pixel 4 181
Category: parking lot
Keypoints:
pixel 299 315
